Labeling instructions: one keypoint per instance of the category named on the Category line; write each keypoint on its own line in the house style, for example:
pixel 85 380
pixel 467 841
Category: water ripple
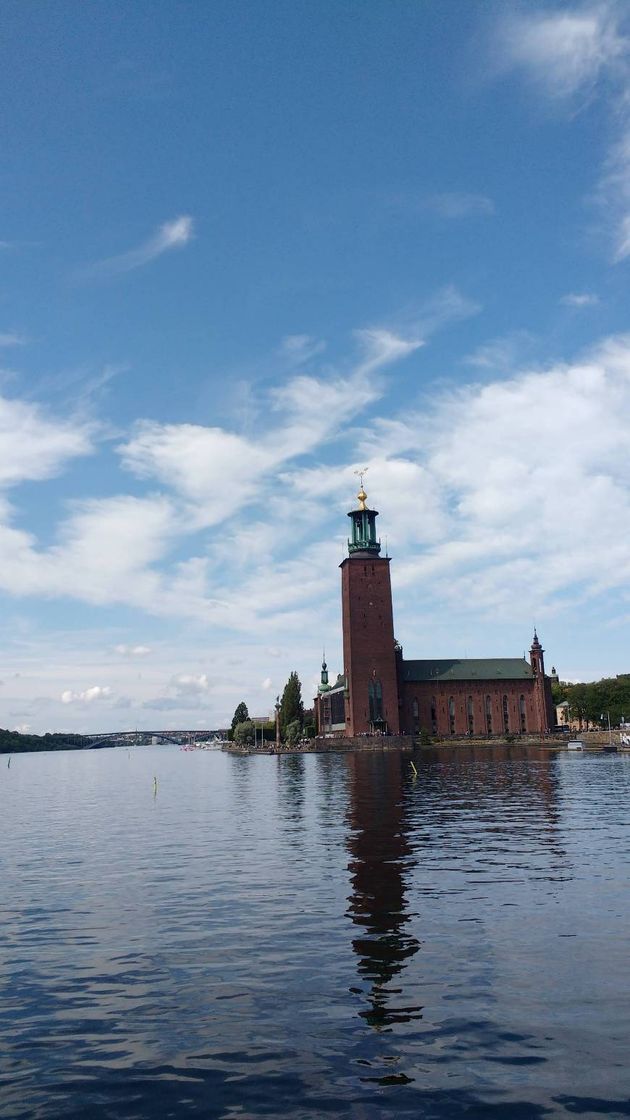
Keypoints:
pixel 314 936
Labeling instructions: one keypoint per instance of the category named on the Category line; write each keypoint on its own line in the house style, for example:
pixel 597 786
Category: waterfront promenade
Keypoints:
pixel 593 740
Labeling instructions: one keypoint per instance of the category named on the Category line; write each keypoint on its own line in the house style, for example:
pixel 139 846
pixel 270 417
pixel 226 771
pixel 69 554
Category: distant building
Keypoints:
pixel 381 691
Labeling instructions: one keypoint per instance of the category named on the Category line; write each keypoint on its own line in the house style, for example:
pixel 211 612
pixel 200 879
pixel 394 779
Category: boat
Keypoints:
pixel 575 745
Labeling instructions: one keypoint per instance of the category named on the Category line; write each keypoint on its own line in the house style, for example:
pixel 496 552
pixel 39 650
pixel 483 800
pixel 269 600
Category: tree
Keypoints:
pixel 241 715
pixel 291 706
pixel 593 702
pixel 293 732
pixel 244 732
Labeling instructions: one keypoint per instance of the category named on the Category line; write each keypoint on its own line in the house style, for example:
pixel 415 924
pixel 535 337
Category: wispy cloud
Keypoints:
pixel 35 446
pixel 580 299
pixel 565 52
pixel 574 57
pixel 297 349
pixel 502 353
pixel 172 235
pixel 12 338
pixel 457 204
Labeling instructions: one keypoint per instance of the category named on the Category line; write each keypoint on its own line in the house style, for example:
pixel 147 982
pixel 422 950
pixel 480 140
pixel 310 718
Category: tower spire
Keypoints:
pixel 363 519
pixel 362 496
pixel 323 683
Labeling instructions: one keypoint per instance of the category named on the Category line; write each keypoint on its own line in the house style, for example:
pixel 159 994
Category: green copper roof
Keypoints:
pixel 364 531
pixel 468 669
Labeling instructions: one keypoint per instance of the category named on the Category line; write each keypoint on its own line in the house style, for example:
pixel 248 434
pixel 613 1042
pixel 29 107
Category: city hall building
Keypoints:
pixel 381 691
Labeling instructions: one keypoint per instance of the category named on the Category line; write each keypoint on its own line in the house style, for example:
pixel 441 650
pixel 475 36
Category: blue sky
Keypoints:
pixel 246 249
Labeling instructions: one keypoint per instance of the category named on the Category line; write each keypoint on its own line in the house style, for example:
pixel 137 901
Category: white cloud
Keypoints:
pixel 300 348
pixel 267 683
pixel 105 553
pixel 132 651
pixel 565 51
pixel 580 299
pixel 454 204
pixel 187 684
pixel 381 347
pixel 89 696
pixel 585 53
pixel 217 471
pixel 35 447
pixel 502 354
pixel 172 235
pixel 515 470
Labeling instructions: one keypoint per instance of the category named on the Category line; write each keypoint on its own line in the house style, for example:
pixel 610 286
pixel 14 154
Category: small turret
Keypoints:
pixel 324 686
pixel 542 686
pixel 536 658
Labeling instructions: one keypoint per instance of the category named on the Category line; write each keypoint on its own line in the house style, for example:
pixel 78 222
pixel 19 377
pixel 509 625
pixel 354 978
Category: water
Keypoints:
pixel 314 936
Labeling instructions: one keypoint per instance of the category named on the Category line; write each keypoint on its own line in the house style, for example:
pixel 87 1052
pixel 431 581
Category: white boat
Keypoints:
pixel 575 745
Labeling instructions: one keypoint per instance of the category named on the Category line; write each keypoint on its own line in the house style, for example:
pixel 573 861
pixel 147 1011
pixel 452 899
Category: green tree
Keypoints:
pixel 244 732
pixel 292 732
pixel 241 715
pixel 291 706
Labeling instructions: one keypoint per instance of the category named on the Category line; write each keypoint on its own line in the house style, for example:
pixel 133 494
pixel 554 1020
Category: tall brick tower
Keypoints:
pixel 542 687
pixel 368 629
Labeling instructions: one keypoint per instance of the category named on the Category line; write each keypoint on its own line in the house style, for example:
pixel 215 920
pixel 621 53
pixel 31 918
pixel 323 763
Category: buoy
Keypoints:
pixel 415 772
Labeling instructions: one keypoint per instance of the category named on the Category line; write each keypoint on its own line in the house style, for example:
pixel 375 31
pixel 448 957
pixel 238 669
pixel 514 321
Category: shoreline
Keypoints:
pixel 593 741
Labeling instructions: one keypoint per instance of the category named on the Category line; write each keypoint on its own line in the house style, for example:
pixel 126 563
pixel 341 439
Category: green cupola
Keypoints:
pixel 323 684
pixel 363 539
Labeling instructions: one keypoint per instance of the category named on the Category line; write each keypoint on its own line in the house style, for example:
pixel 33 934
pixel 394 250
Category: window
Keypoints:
pixel 433 716
pixel 451 715
pixel 506 715
pixel 521 709
pixel 489 714
pixel 414 709
pixel 471 716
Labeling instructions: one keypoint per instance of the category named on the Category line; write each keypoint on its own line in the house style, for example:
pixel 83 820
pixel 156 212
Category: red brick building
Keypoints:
pixel 381 691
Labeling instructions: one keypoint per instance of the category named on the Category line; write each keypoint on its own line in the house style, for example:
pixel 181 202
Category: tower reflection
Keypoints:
pixel 380 858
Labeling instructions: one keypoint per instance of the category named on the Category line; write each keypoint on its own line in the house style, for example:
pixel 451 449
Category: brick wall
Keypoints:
pixel 462 693
pixel 368 640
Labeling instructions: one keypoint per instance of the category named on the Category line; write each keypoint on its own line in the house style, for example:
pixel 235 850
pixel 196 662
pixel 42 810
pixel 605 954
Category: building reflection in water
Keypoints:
pixel 380 858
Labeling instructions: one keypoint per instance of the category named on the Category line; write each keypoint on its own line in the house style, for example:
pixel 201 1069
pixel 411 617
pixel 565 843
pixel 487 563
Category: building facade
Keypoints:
pixel 380 691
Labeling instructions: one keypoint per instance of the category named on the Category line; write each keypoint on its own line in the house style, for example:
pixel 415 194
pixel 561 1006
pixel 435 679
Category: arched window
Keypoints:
pixel 433 715
pixel 521 709
pixel 375 694
pixel 471 716
pixel 414 709
pixel 451 715
pixel 506 715
pixel 489 714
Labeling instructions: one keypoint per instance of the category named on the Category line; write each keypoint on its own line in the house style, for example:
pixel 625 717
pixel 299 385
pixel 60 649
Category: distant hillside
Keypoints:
pixel 11 742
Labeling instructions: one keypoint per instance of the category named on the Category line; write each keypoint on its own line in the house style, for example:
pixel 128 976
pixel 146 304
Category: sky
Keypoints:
pixel 248 249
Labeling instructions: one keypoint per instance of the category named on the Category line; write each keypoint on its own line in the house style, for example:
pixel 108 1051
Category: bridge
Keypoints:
pixel 153 738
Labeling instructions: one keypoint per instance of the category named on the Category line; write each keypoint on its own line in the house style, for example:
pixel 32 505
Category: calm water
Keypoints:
pixel 314 936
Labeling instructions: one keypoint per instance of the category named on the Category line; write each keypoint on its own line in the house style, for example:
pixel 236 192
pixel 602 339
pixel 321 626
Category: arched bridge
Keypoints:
pixel 153 738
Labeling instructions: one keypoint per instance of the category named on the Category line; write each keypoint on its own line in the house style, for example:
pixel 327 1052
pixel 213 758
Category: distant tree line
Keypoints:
pixel 295 722
pixel 12 742
pixel 592 702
